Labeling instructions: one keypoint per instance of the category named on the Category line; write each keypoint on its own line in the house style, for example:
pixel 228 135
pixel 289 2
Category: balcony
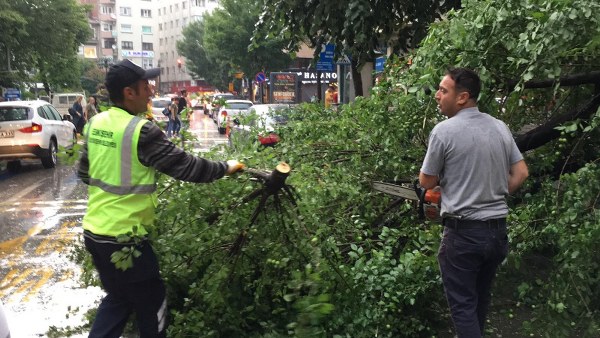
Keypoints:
pixel 106 35
pixel 108 17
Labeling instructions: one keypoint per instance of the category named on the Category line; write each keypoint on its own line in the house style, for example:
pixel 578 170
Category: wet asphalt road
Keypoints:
pixel 40 219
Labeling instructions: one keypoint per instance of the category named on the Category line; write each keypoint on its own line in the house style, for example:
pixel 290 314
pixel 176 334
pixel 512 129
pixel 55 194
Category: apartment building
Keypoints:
pixel 173 17
pixel 145 32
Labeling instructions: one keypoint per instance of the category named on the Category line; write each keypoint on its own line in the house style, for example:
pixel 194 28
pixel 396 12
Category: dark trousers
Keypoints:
pixel 138 290
pixel 468 258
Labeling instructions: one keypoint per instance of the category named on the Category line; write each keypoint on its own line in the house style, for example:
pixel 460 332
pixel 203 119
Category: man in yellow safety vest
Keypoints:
pixel 119 160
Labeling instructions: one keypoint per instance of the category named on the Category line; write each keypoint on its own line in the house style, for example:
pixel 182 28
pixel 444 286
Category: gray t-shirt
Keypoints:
pixel 472 153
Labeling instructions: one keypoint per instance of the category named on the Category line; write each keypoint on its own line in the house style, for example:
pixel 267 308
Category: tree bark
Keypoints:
pixel 356 79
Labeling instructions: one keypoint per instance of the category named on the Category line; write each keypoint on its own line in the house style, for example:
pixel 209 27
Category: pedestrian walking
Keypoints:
pixel 182 103
pixel 119 160
pixel 90 109
pixel 174 122
pixel 78 116
pixel 474 159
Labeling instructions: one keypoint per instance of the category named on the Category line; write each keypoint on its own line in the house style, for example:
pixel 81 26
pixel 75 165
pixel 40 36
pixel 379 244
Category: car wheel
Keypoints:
pixel 13 166
pixel 49 161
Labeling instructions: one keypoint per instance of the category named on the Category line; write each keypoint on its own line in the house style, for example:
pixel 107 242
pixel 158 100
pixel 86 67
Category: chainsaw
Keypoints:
pixel 428 199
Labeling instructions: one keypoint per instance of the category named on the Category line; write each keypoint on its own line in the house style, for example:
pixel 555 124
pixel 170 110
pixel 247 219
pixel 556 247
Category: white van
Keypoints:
pixel 63 101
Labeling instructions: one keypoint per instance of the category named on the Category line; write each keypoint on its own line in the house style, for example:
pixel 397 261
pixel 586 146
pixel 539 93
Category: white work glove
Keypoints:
pixel 234 166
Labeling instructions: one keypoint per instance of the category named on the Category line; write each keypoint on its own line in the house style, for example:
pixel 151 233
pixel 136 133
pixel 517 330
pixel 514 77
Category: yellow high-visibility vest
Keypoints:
pixel 121 189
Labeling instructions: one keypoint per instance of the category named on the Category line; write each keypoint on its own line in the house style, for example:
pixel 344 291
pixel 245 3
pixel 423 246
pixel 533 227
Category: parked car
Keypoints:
pixel 212 106
pixel 158 105
pixel 230 110
pixel 261 122
pixel 63 101
pixel 31 130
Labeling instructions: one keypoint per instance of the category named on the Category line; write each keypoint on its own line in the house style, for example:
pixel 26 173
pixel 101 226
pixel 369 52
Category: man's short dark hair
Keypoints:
pixel 466 80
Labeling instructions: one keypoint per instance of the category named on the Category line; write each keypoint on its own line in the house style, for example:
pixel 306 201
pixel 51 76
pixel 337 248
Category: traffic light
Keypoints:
pixel 179 63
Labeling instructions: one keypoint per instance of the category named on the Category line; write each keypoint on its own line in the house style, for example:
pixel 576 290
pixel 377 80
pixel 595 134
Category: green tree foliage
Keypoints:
pixel 199 64
pixel 356 27
pixel 42 37
pixel 218 46
pixel 348 261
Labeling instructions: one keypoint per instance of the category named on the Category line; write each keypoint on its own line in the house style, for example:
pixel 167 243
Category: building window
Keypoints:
pixel 128 45
pixel 108 43
pixel 183 5
pixel 160 26
pixel 107 27
pixel 147 63
pixel 125 11
pixel 166 40
pixel 184 22
pixel 146 29
pixel 159 12
pixel 177 22
pixel 107 9
pixel 176 7
pixel 126 28
pixel 171 23
pixel 146 13
pixel 147 46
pixel 170 8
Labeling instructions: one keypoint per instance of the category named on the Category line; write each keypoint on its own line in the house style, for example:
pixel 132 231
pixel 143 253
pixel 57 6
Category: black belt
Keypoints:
pixel 455 223
pixel 104 239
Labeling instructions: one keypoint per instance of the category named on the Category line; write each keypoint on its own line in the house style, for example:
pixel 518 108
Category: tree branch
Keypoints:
pixel 547 132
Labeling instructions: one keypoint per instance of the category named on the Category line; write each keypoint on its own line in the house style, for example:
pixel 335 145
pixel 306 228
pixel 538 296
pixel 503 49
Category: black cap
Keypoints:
pixel 125 73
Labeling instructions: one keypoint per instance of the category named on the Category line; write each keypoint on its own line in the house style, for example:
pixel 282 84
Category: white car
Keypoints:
pixel 229 111
pixel 31 130
pixel 158 105
pixel 261 123
pixel 212 106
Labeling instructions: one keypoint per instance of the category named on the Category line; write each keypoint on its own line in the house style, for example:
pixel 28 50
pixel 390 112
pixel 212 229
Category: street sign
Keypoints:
pixel 12 94
pixel 284 87
pixel 324 66
pixel 325 62
pixel 260 77
pixel 379 64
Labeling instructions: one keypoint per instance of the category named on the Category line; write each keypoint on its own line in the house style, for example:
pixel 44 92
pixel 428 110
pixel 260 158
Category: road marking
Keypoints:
pixel 20 284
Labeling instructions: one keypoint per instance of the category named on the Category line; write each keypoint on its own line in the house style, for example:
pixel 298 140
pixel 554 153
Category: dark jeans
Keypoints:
pixel 177 125
pixel 138 290
pixel 468 260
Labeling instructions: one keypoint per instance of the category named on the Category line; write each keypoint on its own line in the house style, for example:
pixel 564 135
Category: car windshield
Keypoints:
pixel 14 114
pixel 239 105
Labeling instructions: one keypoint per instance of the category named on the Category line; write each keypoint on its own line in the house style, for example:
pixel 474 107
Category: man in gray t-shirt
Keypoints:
pixel 473 158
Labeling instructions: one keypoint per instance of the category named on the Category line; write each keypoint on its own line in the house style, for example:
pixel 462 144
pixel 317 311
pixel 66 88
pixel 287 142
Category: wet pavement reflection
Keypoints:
pixel 206 131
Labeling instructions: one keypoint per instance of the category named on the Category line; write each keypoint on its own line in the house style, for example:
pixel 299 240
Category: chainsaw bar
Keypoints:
pixel 398 190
